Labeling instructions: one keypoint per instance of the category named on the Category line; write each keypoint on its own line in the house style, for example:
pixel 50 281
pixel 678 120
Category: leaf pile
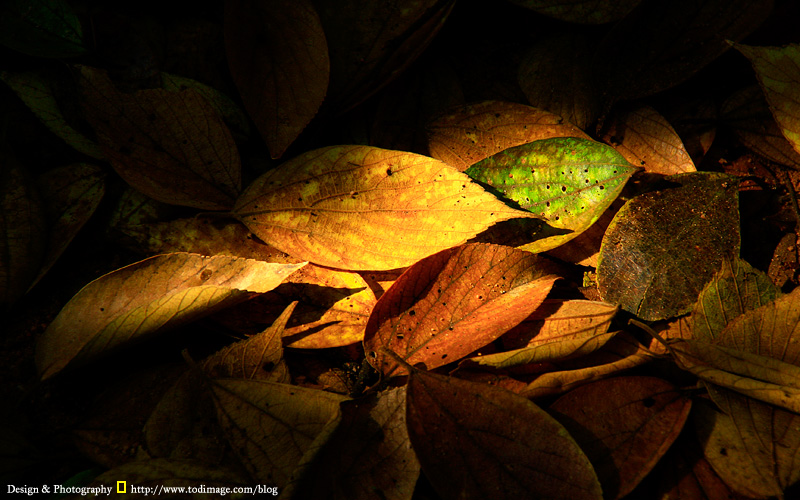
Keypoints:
pixel 433 249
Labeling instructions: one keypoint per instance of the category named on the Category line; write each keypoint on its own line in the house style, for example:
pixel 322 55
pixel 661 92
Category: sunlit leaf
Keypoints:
pixel 478 441
pixel 394 207
pixel 663 247
pixel 454 302
pixel 172 146
pixel 36 92
pixel 42 28
pixel 584 11
pixel 567 181
pixel 661 44
pixel 22 231
pixel 778 72
pixel 647 140
pixel 270 426
pixel 474 132
pixel 367 454
pixel 279 60
pixel 71 195
pixel 555 75
pixel 624 425
pixel 584 249
pixel 148 297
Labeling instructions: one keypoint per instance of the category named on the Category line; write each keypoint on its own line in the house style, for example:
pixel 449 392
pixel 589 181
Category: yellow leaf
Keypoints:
pixel 393 207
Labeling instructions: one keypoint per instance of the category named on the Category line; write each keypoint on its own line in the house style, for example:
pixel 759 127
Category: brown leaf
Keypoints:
pixel 472 133
pixel 584 12
pixel 148 297
pixel 22 229
pixel 172 146
pixel 478 441
pixel 368 454
pixel 584 249
pixel 395 207
pixel 625 425
pixel 278 58
pixel 270 426
pixel 646 139
pixel 454 302
pixel 555 75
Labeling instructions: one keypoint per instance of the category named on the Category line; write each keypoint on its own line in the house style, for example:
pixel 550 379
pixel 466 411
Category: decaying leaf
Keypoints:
pixel 41 28
pixel 567 181
pixel 279 60
pixel 474 132
pixel 663 247
pixel 584 12
pixel 172 146
pixel 454 302
pixel 395 207
pixel 624 425
pixel 148 297
pixel 478 441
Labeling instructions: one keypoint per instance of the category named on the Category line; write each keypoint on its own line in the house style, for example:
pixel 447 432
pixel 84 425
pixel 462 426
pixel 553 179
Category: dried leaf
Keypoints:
pixel 172 146
pixel 71 195
pixel 41 28
pixel 567 181
pixel 736 288
pixel 146 298
pixel 270 426
pixel 625 425
pixel 278 58
pixel 367 454
pixel 555 75
pixel 478 441
pixel 646 139
pixel 472 133
pixel 37 93
pixel 663 247
pixel 583 12
pixel 454 302
pixel 584 249
pixel 395 207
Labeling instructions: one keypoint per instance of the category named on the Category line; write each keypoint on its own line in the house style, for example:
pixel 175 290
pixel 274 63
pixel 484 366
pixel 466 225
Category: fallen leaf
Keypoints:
pixel 478 441
pixel 41 28
pixel 395 207
pixel 584 249
pixel 474 132
pixel 661 44
pixel 368 453
pixel 270 426
pixel 172 146
pixel 584 12
pixel 454 302
pixel 370 43
pixel 22 229
pixel 624 425
pixel 647 140
pixel 557 318
pixel 747 113
pixel 148 297
pixel 568 182
pixel 663 247
pixel 37 94
pixel 71 194
pixel 555 75
pixel 736 288
pixel 778 73
pixel 278 59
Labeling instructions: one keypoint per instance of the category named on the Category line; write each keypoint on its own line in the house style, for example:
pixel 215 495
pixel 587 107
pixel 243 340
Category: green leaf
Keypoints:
pixel 42 28
pixel 663 247
pixel 567 181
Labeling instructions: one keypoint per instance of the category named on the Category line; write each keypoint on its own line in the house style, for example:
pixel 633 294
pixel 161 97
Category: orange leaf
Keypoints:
pixel 148 297
pixel 393 207
pixel 279 60
pixel 454 302
pixel 172 146
pixel 625 425
pixel 476 441
pixel 475 132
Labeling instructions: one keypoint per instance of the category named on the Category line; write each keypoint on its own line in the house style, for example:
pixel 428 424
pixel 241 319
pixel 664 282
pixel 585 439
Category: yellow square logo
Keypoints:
pixel 121 487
